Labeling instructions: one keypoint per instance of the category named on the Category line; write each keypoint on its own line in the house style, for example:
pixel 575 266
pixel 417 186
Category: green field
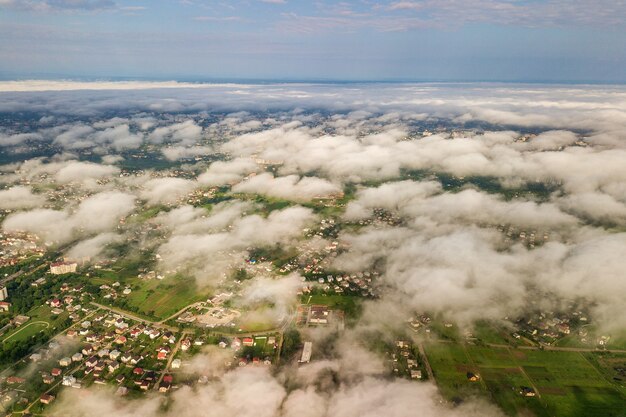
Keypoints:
pixel 26 331
pixel 350 305
pixel 162 298
pixel 567 383
pixel 40 319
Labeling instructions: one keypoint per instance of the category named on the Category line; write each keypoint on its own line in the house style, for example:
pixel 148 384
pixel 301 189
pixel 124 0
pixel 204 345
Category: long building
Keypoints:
pixel 306 352
pixel 59 268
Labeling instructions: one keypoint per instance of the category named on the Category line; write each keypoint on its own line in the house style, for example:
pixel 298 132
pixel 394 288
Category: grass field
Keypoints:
pixel 162 298
pixel 567 383
pixel 350 305
pixel 40 319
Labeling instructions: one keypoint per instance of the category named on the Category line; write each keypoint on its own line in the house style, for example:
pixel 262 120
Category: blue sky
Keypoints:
pixel 508 40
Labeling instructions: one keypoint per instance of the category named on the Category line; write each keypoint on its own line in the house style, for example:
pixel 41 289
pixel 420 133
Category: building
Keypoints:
pixel 4 306
pixel 318 314
pixel 58 268
pixel 306 352
pixel 46 398
pixel 4 293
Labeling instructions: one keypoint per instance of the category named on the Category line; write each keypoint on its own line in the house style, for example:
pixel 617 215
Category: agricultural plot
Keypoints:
pixel 564 383
pixel 450 367
pixel 161 299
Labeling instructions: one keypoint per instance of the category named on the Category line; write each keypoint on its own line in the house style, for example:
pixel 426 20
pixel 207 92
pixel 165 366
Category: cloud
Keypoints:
pixel 228 172
pixel 288 187
pixel 18 139
pixel 185 133
pixel 211 246
pixel 81 171
pixel 166 190
pixel 98 213
pixel 59 5
pixel 92 248
pixel 20 197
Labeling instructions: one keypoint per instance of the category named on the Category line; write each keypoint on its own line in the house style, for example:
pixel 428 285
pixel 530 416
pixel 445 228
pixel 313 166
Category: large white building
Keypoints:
pixel 4 294
pixel 59 268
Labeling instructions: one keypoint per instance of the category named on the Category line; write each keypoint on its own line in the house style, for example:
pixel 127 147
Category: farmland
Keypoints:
pixel 565 383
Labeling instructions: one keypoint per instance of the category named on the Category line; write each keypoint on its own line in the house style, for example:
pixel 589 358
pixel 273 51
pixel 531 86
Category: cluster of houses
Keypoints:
pixel 529 239
pixel 548 327
pixel 18 246
pixel 404 360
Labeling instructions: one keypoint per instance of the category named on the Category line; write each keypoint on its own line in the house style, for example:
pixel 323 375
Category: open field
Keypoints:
pixel 350 305
pixel 162 298
pixel 154 298
pixel 567 383
pixel 40 319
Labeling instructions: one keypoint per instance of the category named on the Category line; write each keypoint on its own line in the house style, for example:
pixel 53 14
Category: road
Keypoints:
pixel 22 272
pixel 171 358
pixel 555 348
pixel 429 369
pixel 131 316
pixel 181 311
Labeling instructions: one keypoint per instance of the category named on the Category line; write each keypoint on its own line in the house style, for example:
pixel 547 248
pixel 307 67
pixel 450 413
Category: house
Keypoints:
pixel 168 378
pixel 144 385
pixel 120 340
pixel 120 378
pixel 473 377
pixel 161 356
pixel 68 380
pixel 35 357
pixel 164 386
pixel 87 350
pixel 185 345
pixel 113 366
pixel 176 363
pixel 47 378
pixel 248 341
pixel 56 303
pixel 65 362
pixel 46 398
pixel 126 357
pixel 15 380
pixel 121 391
pixel 416 374
pixel 527 392
pixel 4 306
pixel 77 357
pixel 114 354
pixel 55 372
pixel 138 371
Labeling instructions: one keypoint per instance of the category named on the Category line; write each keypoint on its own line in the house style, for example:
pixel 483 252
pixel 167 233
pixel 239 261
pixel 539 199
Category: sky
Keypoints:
pixel 416 40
